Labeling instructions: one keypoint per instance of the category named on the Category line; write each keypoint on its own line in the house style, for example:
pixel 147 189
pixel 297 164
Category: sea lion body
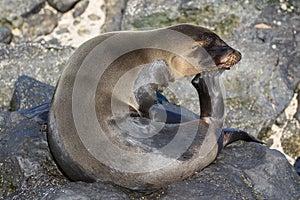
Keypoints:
pixel 85 137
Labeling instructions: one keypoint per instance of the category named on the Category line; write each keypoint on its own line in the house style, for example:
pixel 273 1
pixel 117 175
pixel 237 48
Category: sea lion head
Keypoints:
pixel 222 55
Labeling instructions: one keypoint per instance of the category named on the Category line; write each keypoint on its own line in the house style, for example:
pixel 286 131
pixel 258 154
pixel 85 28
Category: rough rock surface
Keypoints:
pixel 11 9
pixel 42 61
pixel 114 10
pixel 36 94
pixel 26 162
pixel 73 190
pixel 36 25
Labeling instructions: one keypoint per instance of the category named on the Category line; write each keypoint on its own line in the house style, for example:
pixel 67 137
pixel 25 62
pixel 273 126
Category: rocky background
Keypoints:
pixel 262 93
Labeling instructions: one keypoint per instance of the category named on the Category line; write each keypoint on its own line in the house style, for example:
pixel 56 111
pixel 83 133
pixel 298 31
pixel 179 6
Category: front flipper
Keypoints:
pixel 231 135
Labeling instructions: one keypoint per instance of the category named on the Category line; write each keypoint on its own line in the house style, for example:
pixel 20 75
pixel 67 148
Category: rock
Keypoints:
pixel 297 165
pixel 40 60
pixel 40 24
pixel 297 115
pixel 5 35
pixel 290 139
pixel 217 16
pixel 249 171
pixel 114 10
pixel 74 190
pixel 27 26
pixel 276 77
pixel 242 172
pixel 63 5
pixel 36 94
pixel 11 9
pixel 25 159
pixel 80 8
pixel 81 190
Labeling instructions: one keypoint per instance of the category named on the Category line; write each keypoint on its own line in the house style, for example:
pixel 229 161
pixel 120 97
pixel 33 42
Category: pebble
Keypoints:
pixel 5 35
pixel 80 8
pixel 284 6
pixel 62 5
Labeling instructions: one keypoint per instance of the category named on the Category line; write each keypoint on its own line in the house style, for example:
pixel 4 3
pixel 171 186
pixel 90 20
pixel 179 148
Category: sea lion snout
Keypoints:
pixel 225 56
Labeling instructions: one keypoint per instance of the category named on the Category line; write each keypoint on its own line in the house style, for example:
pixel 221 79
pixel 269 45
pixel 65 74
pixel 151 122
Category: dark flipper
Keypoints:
pixel 204 96
pixel 231 135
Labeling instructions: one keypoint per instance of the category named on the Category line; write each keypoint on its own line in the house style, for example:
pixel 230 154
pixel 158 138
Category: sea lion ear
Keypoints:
pixel 201 43
pixel 195 45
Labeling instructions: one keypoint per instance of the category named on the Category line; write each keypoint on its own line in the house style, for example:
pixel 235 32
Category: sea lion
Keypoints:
pixel 97 131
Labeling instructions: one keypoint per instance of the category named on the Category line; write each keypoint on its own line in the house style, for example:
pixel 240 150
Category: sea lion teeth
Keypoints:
pixel 89 136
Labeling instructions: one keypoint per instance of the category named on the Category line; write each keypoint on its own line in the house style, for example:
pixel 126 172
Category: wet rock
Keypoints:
pixel 5 35
pixel 11 9
pixel 40 60
pixel 36 93
pixel 63 5
pixel 80 8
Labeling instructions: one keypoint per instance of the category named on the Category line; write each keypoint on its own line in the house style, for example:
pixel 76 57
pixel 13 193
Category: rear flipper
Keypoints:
pixel 231 135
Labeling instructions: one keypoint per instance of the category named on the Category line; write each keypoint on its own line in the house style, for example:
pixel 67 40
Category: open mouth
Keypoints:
pixel 225 57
